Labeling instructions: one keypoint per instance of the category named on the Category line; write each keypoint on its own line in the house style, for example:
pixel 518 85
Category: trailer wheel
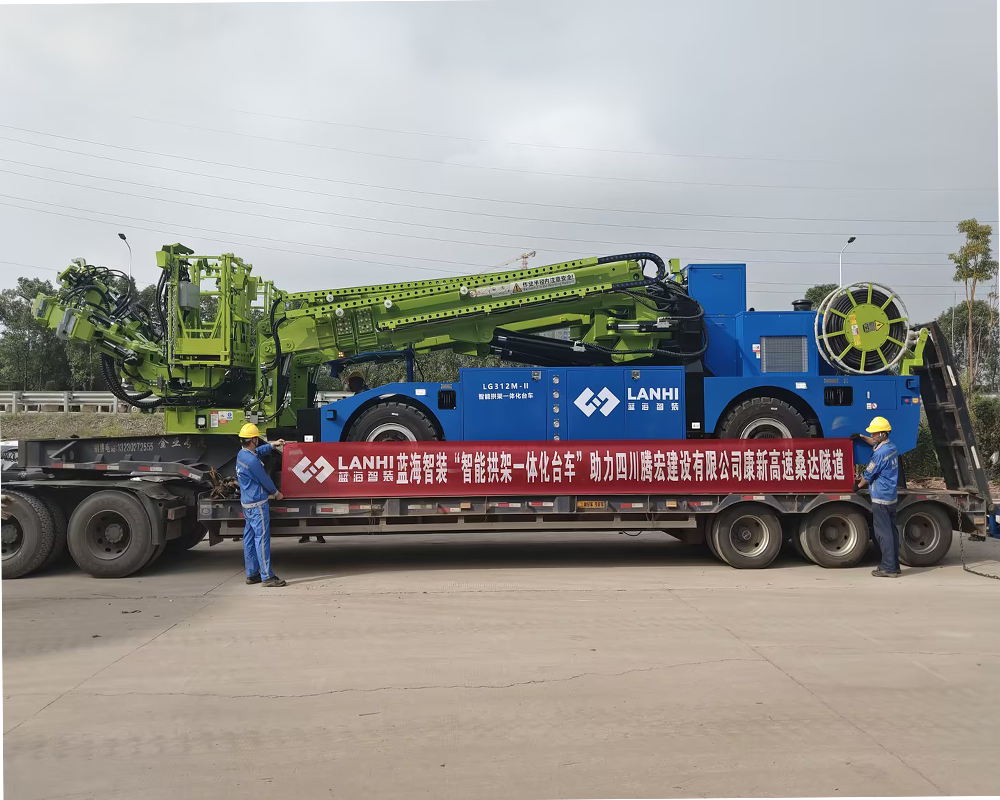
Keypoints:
pixel 925 534
pixel 110 535
pixel 192 532
pixel 61 523
pixel 710 540
pixel 834 535
pixel 27 536
pixel 763 418
pixel 747 535
pixel 392 422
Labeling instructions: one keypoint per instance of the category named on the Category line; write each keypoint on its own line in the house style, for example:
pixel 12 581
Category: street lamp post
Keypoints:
pixel 842 249
pixel 122 237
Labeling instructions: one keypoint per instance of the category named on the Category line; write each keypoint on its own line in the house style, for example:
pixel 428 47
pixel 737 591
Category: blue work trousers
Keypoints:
pixel 887 535
pixel 257 541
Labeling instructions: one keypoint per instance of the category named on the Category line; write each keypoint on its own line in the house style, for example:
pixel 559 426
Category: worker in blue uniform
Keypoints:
pixel 256 488
pixel 882 477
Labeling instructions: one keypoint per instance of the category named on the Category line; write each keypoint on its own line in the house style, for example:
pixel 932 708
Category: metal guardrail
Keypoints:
pixel 100 402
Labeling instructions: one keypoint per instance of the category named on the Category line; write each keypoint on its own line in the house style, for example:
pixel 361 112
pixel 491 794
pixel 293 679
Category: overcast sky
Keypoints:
pixel 352 143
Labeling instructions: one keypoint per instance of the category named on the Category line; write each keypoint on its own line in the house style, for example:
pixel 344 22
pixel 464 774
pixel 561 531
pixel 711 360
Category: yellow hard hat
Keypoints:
pixel 879 425
pixel 249 431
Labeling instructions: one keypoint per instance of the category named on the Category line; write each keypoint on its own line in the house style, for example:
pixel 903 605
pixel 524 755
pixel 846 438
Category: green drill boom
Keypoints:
pixel 222 346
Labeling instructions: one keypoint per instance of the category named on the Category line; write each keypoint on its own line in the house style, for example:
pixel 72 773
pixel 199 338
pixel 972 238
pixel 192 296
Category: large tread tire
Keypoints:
pixel 763 418
pixel 925 534
pixel 835 535
pixel 61 523
pixel 89 536
pixel 36 532
pixel 748 535
pixel 393 422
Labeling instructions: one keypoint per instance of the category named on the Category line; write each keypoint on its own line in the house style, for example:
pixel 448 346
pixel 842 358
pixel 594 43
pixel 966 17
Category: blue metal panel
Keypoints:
pixel 503 404
pixel 594 403
pixel 720 288
pixel 723 355
pixel 880 396
pixel 752 325
pixel 654 403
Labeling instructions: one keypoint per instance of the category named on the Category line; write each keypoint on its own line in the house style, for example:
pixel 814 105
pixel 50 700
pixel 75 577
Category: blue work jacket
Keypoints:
pixel 882 473
pixel 255 485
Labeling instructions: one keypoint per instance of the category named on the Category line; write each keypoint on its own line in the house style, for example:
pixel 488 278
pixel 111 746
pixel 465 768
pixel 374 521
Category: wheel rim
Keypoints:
pixel 391 432
pixel 921 534
pixel 108 535
pixel 838 535
pixel 765 428
pixel 749 536
pixel 11 538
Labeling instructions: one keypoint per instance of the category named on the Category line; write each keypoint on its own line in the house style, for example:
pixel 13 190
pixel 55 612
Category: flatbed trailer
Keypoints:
pixel 118 503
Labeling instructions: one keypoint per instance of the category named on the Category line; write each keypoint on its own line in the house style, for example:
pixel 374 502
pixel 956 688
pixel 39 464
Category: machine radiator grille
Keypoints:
pixel 783 354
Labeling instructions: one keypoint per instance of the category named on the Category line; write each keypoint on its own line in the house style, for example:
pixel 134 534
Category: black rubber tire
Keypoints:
pixel 835 535
pixel 105 559
pixel 392 422
pixel 756 521
pixel 710 540
pixel 192 533
pixel 929 536
pixel 763 418
pixel 38 534
pixel 61 523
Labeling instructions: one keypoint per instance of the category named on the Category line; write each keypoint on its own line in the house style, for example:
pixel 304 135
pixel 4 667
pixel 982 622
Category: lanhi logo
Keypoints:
pixel 321 469
pixel 604 401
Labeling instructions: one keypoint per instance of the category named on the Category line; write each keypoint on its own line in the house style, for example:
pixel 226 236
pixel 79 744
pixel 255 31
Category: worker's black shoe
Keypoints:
pixel 321 540
pixel 253 579
pixel 274 580
pixel 878 573
pixel 303 539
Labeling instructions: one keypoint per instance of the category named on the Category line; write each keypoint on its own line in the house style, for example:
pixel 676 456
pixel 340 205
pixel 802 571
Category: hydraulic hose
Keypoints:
pixel 111 380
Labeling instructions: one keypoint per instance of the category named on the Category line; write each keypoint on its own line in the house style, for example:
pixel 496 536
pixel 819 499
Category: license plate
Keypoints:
pixel 591 504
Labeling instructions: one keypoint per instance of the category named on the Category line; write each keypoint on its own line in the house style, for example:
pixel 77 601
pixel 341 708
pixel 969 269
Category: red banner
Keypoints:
pixel 444 469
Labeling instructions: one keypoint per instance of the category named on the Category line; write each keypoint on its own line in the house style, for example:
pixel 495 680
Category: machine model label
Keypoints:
pixel 437 469
pixel 527 285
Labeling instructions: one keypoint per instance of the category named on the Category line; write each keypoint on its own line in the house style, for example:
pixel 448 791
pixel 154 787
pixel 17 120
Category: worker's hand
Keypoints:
pixel 277 496
pixel 857 487
pixel 278 444
pixel 856 436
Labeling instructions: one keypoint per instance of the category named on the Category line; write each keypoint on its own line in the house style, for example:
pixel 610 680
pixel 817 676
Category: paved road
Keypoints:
pixel 569 666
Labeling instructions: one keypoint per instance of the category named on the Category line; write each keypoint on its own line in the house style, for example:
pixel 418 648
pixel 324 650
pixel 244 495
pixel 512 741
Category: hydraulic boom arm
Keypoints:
pixel 220 341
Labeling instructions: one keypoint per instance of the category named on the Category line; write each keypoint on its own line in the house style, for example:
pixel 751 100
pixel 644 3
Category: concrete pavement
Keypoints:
pixel 586 665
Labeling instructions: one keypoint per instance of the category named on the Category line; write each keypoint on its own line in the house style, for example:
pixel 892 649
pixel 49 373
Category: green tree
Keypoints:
pixel 974 264
pixel 817 294
pixel 985 341
pixel 30 355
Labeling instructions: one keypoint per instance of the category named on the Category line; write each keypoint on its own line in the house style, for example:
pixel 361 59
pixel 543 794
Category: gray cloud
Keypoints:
pixel 889 107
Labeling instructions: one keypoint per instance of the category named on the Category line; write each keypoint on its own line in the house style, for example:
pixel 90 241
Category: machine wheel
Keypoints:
pixel 763 418
pixel 747 535
pixel 27 534
pixel 392 422
pixel 925 533
pixel 110 535
pixel 834 535
pixel 60 523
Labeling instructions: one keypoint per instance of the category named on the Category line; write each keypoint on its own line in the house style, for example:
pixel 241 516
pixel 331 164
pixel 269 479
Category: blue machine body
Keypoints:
pixel 750 353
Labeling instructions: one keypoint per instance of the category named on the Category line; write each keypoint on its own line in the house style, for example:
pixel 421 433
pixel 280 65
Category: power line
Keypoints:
pixel 621 245
pixel 528 144
pixel 547 173
pixel 423 192
pixel 422 208
pixel 228 242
